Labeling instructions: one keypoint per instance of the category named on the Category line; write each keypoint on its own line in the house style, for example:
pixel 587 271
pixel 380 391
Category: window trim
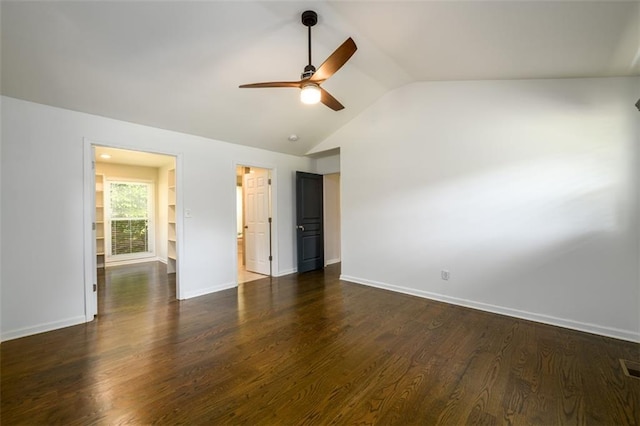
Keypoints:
pixel 151 226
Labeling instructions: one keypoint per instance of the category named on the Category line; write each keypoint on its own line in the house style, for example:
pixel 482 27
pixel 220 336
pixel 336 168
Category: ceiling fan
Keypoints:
pixel 310 80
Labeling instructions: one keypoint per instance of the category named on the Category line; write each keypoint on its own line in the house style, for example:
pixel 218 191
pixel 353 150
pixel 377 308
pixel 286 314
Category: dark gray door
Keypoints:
pixel 309 227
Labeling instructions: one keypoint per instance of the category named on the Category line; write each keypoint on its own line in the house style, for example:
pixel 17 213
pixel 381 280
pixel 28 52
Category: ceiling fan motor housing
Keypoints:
pixel 309 70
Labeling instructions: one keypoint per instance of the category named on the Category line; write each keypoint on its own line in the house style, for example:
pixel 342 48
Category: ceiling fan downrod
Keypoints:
pixel 309 19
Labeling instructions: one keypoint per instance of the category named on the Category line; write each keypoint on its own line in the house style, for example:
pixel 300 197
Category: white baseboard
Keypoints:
pixel 133 261
pixel 531 316
pixel 42 328
pixel 286 272
pixel 331 261
pixel 208 290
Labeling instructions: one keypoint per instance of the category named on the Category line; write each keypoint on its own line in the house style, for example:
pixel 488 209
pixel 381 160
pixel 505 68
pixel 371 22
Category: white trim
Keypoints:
pixel 209 290
pixel 287 272
pixel 125 257
pixel 331 261
pixel 134 261
pixel 501 310
pixel 42 328
pixel 151 219
pixel 88 199
pixel 179 223
pixel 273 206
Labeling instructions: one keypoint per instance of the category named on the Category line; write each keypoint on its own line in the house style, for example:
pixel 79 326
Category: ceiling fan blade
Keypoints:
pixel 335 61
pixel 330 101
pixel 272 84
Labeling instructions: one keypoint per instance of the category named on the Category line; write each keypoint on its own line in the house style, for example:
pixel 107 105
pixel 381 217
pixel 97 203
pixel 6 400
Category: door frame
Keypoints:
pixel 89 252
pixel 260 244
pixel 273 197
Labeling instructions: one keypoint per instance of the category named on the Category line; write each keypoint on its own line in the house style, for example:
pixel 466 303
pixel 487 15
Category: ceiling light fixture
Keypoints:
pixel 311 78
pixel 310 94
pixel 293 137
pixel 105 156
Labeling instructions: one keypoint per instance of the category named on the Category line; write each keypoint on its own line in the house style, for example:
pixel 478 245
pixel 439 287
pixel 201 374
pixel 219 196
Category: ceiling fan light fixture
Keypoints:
pixel 312 78
pixel 310 94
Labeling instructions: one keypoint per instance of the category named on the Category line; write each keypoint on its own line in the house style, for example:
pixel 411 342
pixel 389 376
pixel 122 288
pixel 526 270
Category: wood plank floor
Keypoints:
pixel 308 349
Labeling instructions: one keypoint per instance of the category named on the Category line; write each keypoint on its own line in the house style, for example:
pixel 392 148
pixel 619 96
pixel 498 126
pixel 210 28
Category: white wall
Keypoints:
pixel 328 164
pixel 331 206
pixel 42 272
pixel 526 191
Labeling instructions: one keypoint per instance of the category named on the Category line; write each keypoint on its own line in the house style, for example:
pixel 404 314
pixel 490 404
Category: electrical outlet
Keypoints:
pixel 445 274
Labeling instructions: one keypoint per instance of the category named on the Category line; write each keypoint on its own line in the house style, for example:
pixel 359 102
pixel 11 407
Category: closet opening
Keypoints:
pixel 132 222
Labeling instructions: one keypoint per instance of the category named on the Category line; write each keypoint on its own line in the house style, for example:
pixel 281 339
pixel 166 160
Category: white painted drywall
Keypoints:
pixel 526 191
pixel 42 218
pixel 331 206
pixel 328 164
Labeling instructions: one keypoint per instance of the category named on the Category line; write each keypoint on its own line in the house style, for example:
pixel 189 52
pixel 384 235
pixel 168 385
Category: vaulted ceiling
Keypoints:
pixel 177 65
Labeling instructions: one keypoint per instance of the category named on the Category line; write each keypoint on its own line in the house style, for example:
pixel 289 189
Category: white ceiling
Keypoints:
pixel 177 65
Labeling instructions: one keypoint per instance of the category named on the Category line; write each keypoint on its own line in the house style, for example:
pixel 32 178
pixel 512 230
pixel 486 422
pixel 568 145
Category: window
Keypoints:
pixel 129 220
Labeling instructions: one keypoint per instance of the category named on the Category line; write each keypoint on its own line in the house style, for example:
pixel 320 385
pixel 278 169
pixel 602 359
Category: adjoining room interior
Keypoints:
pixel 331 189
pixel 454 213
pixel 135 217
pixel 253 210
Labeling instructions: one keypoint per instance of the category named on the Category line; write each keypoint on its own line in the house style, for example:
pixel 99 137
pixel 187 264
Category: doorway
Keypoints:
pixel 317 220
pixel 253 223
pixel 131 215
pixel 332 230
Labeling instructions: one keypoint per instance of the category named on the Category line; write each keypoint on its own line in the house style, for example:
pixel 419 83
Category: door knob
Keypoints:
pixel 300 227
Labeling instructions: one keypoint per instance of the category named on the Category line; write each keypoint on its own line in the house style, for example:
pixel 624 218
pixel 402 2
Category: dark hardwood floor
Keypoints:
pixel 308 349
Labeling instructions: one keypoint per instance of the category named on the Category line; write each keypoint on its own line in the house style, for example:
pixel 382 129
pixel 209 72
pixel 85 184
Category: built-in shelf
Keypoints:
pixel 99 221
pixel 171 219
pixel 171 253
pixel 171 232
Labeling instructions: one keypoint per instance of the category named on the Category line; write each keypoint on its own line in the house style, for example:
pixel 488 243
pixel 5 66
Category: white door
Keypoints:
pixel 256 220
